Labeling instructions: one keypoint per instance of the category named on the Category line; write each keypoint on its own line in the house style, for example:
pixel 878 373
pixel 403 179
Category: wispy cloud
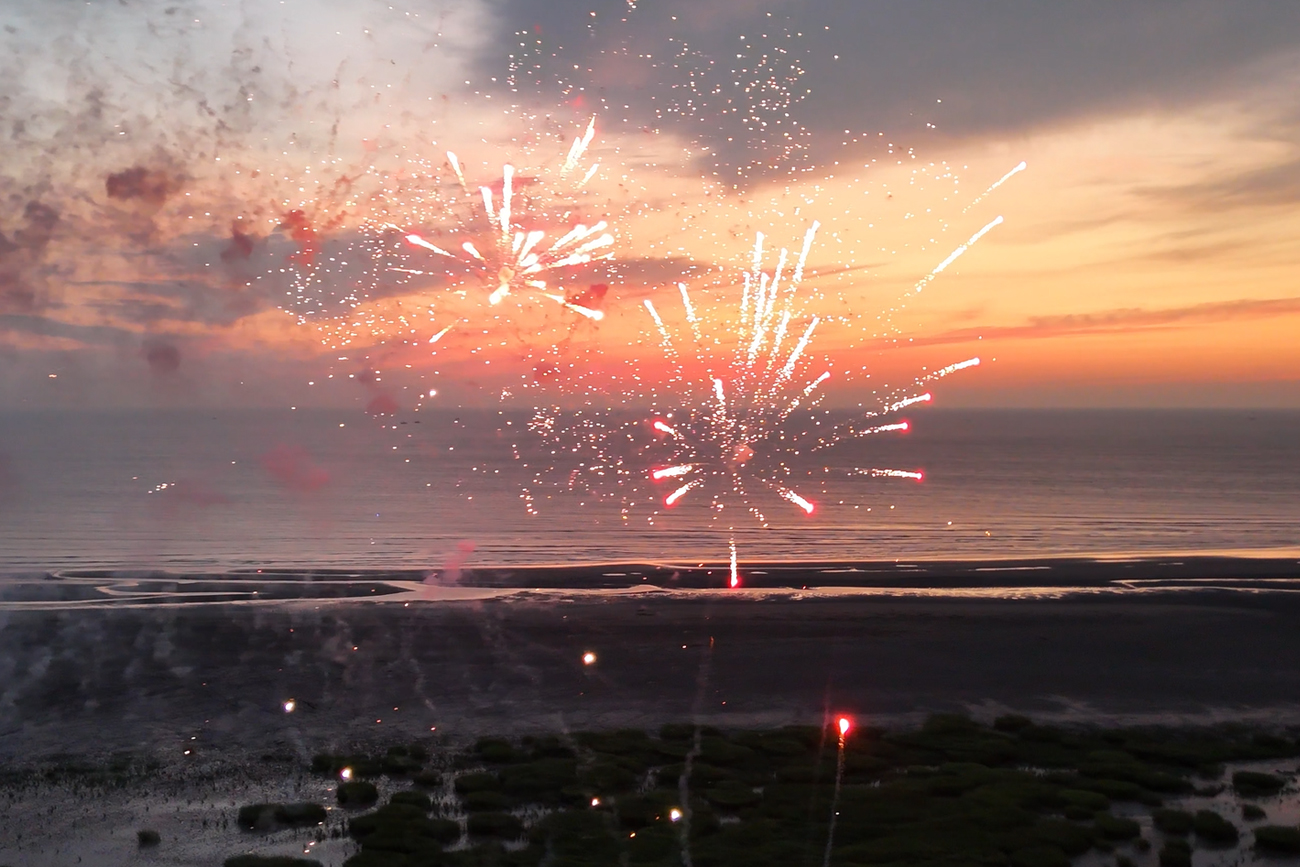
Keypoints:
pixel 1126 320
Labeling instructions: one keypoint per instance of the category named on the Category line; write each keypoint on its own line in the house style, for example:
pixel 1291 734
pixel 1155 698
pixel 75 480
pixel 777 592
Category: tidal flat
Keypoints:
pixel 158 730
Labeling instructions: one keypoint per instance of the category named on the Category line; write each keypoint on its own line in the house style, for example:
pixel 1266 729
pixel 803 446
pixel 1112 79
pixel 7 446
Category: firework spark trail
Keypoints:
pixel 697 747
pixel 887 318
pixel 844 725
pixel 999 182
pixel 735 572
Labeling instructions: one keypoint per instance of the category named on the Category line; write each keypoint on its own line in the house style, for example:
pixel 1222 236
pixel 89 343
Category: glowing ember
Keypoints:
pixel 844 725
pixel 289 706
pixel 588 658
pixel 345 774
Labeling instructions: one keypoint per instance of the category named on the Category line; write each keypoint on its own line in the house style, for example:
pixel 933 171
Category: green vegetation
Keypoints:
pixel 1176 853
pixel 357 793
pixel 1252 784
pixel 270 861
pixel 267 817
pixel 953 792
pixel 1175 822
pixel 148 837
pixel 1213 829
pixel 1278 838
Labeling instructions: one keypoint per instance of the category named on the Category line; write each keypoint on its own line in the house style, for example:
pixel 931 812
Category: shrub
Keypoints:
pixel 1213 828
pixel 1252 812
pixel 477 782
pixel 1176 853
pixel 1039 856
pixel 1252 784
pixel 427 779
pixel 418 800
pixel 732 796
pixel 148 837
pixel 256 817
pixel 502 825
pixel 357 793
pixel 1278 838
pixel 1174 822
pixel 1116 827
pixel 496 750
pixel 487 802
pixel 270 861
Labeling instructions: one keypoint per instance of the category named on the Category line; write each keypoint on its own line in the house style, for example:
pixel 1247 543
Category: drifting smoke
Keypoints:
pixel 293 468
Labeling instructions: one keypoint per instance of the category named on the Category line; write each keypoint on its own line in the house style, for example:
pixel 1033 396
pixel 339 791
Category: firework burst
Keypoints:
pixel 512 255
pixel 740 412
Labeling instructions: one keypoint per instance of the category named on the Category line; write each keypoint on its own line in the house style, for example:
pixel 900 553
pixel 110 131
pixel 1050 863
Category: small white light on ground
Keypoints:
pixel 588 658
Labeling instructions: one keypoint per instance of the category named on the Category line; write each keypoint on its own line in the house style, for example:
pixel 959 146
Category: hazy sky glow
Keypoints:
pixel 153 153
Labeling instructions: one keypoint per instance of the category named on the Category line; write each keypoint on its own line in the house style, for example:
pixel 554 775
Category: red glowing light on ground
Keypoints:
pixel 735 582
pixel 845 724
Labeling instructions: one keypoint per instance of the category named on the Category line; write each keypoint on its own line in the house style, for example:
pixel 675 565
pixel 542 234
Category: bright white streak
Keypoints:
pixel 807 245
pixel 953 368
pixel 473 251
pixel 420 242
pixel 572 235
pixel 885 428
pixel 455 167
pixel 955 254
pixel 797 500
pixel 663 427
pixel 679 493
pixel 507 194
pixel 591 173
pixel 443 333
pixel 659 323
pixel 999 182
pixel 903 404
pixel 578 147
pixel 788 370
pixel 891 474
pixel 672 472
pixel 530 242
pixel 589 312
pixel 735 573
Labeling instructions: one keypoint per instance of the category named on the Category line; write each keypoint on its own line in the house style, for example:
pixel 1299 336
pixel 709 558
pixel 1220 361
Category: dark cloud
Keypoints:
pixel 1271 186
pixel 162 356
pixel 22 260
pixel 1124 320
pixel 149 186
pixel 875 65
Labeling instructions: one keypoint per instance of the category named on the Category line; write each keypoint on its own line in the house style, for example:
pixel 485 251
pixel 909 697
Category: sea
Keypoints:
pixel 190 491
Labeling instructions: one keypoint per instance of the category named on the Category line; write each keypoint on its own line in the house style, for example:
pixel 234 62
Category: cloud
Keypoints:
pixel 1120 321
pixel 22 260
pixel 1271 186
pixel 971 69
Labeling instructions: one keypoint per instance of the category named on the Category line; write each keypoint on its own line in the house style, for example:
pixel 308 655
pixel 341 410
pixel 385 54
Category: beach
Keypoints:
pixel 403 658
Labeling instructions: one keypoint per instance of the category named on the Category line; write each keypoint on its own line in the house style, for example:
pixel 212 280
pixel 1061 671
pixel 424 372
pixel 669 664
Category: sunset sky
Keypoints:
pixel 1148 253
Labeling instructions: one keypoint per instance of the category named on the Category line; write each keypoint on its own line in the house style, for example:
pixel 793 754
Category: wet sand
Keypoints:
pixel 405 659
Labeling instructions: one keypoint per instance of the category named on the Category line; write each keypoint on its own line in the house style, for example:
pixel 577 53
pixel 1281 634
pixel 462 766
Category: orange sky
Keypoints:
pixel 1146 256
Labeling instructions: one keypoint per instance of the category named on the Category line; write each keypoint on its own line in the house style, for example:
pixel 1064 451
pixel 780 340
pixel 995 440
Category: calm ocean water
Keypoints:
pixel 223 490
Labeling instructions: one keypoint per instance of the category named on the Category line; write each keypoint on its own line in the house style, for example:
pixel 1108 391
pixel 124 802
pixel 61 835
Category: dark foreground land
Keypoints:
pixel 951 792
